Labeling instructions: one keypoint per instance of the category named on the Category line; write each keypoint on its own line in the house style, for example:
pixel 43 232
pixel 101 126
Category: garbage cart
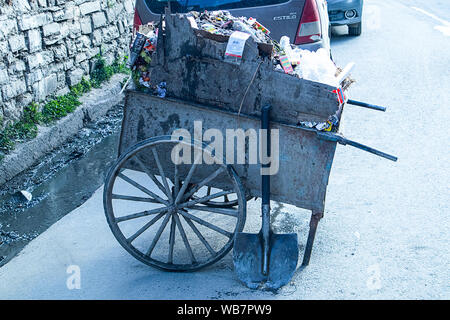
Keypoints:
pixel 176 198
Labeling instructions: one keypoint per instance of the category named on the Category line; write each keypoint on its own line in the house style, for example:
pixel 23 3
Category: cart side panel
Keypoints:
pixel 305 161
pixel 216 83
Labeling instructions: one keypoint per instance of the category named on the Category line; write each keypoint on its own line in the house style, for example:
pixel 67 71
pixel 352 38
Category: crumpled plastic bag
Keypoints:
pixel 316 66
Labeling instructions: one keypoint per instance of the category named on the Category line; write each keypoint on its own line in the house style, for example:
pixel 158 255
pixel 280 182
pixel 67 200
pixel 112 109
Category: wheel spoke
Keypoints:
pixel 142 230
pixel 141 214
pixel 185 239
pixel 204 182
pixel 150 175
pixel 185 183
pixel 142 188
pixel 199 235
pixel 208 192
pixel 204 199
pixel 188 178
pixel 227 212
pixel 176 180
pixel 171 240
pixel 206 224
pixel 131 198
pixel 162 174
pixel 158 234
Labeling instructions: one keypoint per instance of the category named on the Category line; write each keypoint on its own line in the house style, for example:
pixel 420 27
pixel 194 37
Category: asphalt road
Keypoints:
pixel 385 234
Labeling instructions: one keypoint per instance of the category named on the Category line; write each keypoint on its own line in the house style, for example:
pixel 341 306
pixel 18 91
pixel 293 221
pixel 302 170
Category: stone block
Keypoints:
pixel 86 25
pixel 40 58
pixel 4 78
pixel 97 37
pixel 13 88
pixel 17 67
pixel 65 14
pixel 42 89
pixel 17 43
pixel 98 19
pixel 7 27
pixel 89 7
pixel 60 52
pixel 75 76
pixel 27 22
pixel 52 29
pixel 33 76
pixel 34 40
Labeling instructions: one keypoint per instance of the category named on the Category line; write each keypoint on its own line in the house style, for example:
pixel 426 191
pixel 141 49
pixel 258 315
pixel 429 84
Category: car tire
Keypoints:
pixel 354 29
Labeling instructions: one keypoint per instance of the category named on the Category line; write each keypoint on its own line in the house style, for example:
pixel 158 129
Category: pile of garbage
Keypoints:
pixel 286 58
pixel 141 54
pixel 315 66
pixel 305 64
pixel 223 23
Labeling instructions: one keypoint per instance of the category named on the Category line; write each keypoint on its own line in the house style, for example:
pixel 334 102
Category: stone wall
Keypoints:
pixel 46 46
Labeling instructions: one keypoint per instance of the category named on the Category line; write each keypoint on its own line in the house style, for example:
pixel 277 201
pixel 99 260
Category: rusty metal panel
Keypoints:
pixel 305 161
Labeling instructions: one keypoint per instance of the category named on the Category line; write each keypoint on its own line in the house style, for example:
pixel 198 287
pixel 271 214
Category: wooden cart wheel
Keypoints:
pixel 166 222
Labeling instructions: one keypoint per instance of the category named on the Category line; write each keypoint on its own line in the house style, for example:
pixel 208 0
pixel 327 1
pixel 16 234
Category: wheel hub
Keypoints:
pixel 172 210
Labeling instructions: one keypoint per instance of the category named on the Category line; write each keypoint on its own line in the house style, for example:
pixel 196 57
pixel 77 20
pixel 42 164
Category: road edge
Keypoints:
pixel 94 105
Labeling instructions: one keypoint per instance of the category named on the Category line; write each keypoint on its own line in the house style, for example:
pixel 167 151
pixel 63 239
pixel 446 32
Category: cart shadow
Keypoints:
pixel 213 282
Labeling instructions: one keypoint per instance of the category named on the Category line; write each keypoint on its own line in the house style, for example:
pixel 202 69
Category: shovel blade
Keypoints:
pixel 248 260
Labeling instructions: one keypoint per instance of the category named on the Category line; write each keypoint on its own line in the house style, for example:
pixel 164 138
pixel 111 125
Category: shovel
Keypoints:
pixel 265 260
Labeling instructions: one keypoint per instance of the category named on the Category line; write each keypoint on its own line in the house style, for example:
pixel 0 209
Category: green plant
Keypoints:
pixel 101 72
pixel 6 144
pixel 84 86
pixel 31 114
pixel 119 65
pixel 59 107
pixel 22 130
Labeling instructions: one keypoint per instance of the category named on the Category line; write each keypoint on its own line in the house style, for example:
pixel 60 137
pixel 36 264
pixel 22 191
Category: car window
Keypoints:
pixel 182 6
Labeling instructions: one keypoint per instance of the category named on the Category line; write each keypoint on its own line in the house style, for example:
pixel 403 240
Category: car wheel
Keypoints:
pixel 354 29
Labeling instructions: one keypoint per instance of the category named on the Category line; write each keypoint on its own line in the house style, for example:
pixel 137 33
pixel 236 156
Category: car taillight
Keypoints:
pixel 309 29
pixel 137 21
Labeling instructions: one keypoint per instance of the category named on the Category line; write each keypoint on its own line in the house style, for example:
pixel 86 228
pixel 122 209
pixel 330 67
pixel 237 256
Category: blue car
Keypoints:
pixel 346 12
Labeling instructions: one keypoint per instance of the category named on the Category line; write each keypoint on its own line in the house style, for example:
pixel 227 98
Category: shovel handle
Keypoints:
pixel 265 191
pixel 265 125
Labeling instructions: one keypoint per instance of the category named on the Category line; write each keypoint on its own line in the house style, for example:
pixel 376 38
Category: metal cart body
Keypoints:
pixel 305 161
